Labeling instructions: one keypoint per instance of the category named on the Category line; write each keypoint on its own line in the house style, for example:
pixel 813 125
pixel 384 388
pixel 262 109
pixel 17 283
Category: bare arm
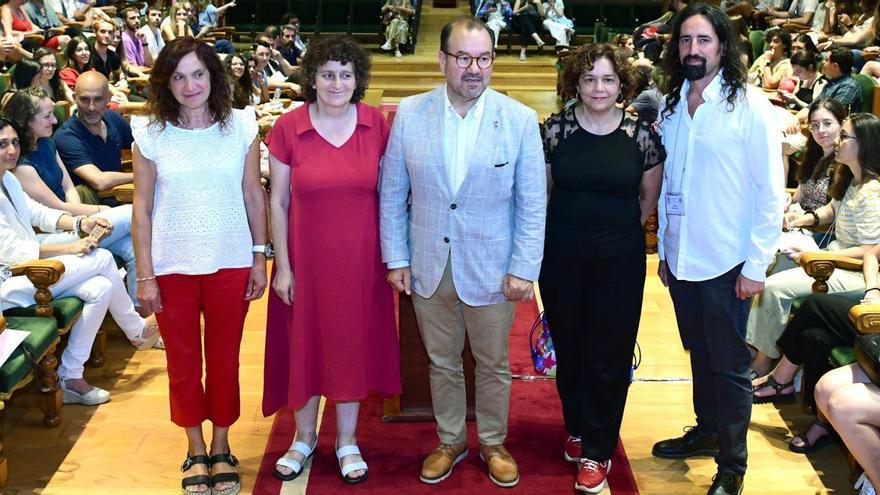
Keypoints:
pixel 649 191
pixel 34 186
pixel 279 204
pixel 100 180
pixel 142 230
pixel 870 265
pixel 255 204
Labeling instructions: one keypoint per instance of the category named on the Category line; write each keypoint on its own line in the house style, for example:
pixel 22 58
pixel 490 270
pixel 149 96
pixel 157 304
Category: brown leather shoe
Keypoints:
pixel 438 465
pixel 502 468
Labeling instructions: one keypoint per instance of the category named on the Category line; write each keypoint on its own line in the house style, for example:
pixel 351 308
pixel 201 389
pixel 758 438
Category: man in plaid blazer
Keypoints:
pixel 462 208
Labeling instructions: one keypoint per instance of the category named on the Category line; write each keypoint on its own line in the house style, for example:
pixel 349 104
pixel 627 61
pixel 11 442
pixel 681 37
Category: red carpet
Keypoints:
pixel 395 451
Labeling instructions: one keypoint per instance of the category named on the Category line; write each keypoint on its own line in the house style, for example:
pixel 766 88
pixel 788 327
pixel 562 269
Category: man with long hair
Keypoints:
pixel 720 222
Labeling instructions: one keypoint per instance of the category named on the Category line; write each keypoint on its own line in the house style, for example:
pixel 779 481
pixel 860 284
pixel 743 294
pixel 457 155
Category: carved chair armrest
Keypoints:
pixel 866 317
pixel 42 274
pixel 820 266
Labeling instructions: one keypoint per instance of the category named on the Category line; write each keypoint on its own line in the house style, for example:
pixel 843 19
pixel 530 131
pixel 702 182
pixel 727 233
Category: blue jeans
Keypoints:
pixel 118 242
pixel 712 324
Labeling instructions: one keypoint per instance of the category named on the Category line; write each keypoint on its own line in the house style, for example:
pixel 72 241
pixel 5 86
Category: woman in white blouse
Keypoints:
pixel 199 229
pixel 89 273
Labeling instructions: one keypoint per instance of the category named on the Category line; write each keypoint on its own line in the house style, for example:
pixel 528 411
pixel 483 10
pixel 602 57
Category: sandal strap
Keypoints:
pixel 354 466
pixel 190 461
pixel 347 450
pixel 292 464
pixel 225 478
pixel 303 448
pixel 227 457
pixel 824 426
pixel 199 479
pixel 778 387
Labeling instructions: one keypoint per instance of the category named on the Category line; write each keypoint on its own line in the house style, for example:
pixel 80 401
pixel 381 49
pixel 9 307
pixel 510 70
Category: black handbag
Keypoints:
pixel 868 355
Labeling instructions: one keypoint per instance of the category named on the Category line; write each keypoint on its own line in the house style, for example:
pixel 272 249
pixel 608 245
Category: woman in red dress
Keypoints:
pixel 330 327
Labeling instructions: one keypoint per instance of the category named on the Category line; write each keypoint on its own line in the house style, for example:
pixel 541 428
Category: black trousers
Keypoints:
pixel 593 307
pixel 527 25
pixel 819 325
pixel 712 324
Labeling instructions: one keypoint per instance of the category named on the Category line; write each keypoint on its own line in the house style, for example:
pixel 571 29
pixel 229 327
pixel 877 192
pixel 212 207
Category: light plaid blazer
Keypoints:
pixel 496 225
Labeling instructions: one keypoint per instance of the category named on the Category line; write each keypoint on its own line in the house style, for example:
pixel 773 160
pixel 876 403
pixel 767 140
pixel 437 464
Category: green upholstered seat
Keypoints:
pixel 842 356
pixel 756 39
pixel 43 332
pixel 67 310
pixel 866 84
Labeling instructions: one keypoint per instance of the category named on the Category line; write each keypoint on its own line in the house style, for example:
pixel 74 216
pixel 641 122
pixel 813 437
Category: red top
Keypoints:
pixel 21 23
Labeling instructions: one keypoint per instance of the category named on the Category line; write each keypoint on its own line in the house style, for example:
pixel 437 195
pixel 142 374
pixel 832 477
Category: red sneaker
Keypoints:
pixel 573 449
pixel 591 475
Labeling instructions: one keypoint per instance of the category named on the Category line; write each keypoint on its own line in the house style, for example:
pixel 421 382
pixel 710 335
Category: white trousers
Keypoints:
pixel 496 24
pixel 558 28
pixel 94 279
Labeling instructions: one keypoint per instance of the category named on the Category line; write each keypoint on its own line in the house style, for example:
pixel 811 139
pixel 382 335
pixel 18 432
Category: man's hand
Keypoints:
pixel 400 279
pixel 746 287
pixel 662 272
pixel 517 289
pixel 142 36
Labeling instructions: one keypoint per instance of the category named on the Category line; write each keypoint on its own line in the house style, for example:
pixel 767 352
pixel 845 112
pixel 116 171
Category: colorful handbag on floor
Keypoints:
pixel 541 347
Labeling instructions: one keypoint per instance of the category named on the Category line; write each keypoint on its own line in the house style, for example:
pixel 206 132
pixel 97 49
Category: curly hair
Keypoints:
pixel 342 49
pixel 21 108
pixel 733 70
pixel 242 87
pixel 813 163
pixel 584 58
pixel 163 107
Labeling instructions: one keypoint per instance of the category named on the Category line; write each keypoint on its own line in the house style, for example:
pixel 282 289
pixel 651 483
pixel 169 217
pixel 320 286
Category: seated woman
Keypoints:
pixel 855 211
pixel 805 67
pixel 804 43
pixel 856 32
pixel 496 14
pixel 260 90
pixel 89 273
pixel 45 179
pixel 848 398
pixel 42 72
pixel 395 16
pixel 526 18
pixel 17 24
pixel 79 59
pixel 773 65
pixel 817 165
pixel 178 25
pixel 555 22
pixel 239 81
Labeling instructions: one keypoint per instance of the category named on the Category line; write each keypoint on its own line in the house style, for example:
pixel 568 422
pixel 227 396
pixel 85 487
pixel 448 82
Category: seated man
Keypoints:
pixel 136 58
pixel 288 47
pixel 151 33
pixel 105 60
pixel 274 67
pixel 799 13
pixel 90 143
pixel 841 85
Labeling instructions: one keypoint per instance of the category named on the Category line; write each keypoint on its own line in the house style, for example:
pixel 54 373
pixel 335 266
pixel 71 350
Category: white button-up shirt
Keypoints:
pixel 460 139
pixel 727 165
pixel 19 214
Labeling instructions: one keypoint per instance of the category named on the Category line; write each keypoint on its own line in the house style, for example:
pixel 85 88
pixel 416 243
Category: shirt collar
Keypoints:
pixel 710 93
pixel 303 123
pixel 476 111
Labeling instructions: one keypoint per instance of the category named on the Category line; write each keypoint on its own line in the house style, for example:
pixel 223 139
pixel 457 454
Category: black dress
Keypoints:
pixel 593 274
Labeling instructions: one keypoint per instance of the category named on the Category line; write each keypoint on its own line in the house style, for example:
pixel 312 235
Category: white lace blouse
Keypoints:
pixel 199 220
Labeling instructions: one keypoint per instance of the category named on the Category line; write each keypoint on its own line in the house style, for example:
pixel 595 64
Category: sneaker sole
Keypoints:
pixel 434 481
pixel 696 453
pixel 570 458
pixel 582 488
pixel 502 484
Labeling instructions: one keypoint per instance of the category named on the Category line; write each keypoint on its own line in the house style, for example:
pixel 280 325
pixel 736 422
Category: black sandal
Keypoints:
pixel 234 489
pixel 808 447
pixel 776 386
pixel 199 479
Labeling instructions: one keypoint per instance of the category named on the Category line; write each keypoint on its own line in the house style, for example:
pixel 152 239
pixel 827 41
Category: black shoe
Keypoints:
pixel 693 443
pixel 726 483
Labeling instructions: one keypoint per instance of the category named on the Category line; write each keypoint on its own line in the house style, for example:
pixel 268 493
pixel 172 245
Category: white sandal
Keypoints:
pixel 295 466
pixel 344 471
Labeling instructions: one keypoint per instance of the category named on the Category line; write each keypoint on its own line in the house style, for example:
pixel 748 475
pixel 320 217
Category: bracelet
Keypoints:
pixel 144 279
pixel 77 226
pixel 872 288
pixel 815 218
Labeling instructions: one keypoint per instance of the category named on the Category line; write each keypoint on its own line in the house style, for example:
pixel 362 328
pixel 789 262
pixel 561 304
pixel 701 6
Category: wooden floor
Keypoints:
pixel 129 446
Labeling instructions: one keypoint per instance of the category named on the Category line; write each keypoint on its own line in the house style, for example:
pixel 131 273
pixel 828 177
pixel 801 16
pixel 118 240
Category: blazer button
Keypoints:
pixel 453 206
pixel 446 240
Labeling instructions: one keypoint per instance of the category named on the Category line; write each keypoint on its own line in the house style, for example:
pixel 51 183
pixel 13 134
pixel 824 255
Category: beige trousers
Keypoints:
pixel 444 320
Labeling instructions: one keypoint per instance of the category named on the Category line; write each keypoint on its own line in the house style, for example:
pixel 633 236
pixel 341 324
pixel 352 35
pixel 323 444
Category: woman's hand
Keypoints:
pixel 83 246
pixel 788 219
pixel 283 285
pixel 88 224
pixel 794 254
pixel 256 280
pixel 148 296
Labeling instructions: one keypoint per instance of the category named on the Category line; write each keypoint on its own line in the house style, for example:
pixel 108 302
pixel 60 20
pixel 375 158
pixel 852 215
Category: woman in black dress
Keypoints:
pixel 605 167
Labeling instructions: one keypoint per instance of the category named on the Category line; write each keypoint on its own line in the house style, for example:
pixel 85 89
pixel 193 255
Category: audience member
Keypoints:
pixel 395 17
pixel 179 27
pixel 799 12
pixel 239 81
pixel 841 85
pixel 646 104
pixel 496 14
pixel 804 66
pixel 274 68
pixel 46 19
pixel 527 15
pixel 90 142
pixel 151 33
pixel 260 88
pixel 583 254
pixel 465 264
pixel 89 273
pixel 84 11
pixel 774 64
pixel 209 14
pixel 200 240
pixel 288 47
pixel 804 42
pixel 555 22
pixel 50 80
pixel 135 56
pixel 104 59
pixel 318 223
pixel 715 243
pixel 16 23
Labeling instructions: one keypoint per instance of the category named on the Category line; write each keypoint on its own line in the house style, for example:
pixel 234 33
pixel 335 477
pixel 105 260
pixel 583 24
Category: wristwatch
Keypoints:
pixel 266 249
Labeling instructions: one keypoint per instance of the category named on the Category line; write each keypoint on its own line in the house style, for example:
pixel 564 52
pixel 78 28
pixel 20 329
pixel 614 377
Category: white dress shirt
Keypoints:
pixel 727 165
pixel 19 214
pixel 460 139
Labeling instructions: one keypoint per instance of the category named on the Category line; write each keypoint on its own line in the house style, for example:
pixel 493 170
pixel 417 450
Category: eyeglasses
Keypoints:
pixel 465 61
pixel 815 126
pixel 844 136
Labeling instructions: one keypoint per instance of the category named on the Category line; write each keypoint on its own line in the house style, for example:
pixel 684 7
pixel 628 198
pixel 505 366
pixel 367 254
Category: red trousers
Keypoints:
pixel 220 297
